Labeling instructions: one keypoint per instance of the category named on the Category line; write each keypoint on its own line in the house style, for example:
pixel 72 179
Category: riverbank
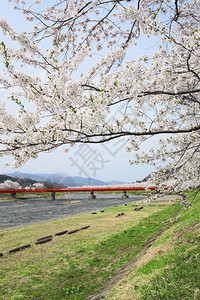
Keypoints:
pixel 169 268
pixel 73 266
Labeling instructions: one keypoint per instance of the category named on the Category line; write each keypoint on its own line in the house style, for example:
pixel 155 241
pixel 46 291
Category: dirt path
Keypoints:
pixel 122 272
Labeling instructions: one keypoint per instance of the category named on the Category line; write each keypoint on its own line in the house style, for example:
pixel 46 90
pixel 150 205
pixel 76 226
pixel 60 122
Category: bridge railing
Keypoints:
pixel 91 190
pixel 77 189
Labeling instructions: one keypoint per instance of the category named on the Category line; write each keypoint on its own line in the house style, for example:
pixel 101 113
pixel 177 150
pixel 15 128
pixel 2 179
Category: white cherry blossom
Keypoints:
pixel 94 90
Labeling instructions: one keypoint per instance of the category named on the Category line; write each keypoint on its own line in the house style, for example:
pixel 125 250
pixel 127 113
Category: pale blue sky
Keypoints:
pixel 104 162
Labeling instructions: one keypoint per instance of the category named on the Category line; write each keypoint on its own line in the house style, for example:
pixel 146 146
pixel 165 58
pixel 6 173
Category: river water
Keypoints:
pixel 38 210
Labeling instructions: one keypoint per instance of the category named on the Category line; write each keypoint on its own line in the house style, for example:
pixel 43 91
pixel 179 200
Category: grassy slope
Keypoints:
pixel 171 267
pixel 75 266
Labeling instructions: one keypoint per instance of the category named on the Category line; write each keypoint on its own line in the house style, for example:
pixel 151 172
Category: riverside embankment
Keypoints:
pixel 74 266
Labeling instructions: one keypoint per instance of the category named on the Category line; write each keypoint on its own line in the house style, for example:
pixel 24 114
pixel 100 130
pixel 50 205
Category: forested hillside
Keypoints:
pixel 28 182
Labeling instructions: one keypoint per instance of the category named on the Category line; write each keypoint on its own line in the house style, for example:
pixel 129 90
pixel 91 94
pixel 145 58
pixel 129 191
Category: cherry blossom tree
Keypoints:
pixel 9 184
pixel 117 95
pixel 38 185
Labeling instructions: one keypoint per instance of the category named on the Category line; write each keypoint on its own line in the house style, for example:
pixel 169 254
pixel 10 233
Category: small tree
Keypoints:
pixel 38 185
pixel 9 184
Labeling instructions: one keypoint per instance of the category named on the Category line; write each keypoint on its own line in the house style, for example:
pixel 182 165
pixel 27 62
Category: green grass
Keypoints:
pixel 175 274
pixel 7 196
pixel 179 277
pixel 75 266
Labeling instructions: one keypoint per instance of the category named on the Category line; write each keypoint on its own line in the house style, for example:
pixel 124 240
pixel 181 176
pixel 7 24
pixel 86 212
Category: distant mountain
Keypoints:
pixel 61 178
pixel 37 177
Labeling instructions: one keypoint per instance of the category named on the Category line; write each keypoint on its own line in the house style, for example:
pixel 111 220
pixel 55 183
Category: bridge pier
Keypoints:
pixel 125 195
pixel 13 195
pixel 53 195
pixel 92 196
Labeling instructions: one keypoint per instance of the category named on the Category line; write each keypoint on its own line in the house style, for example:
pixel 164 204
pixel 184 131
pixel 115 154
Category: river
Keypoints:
pixel 39 210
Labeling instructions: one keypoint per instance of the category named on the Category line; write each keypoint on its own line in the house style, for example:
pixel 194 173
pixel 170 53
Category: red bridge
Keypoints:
pixel 91 190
